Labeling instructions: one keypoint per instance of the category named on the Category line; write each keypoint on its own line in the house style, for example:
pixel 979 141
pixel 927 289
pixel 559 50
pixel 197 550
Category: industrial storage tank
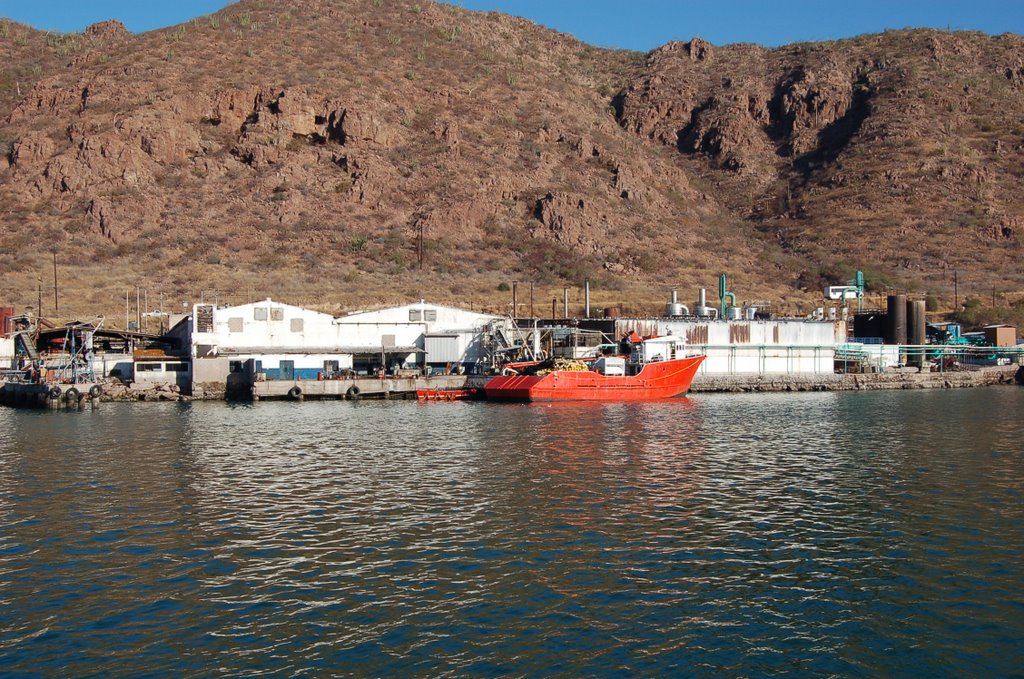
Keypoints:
pixel 916 322
pixel 674 309
pixel 896 320
pixel 703 310
pixel 733 313
pixel 869 325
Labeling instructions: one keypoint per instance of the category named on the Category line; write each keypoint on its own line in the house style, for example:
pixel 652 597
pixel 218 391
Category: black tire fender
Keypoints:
pixel 295 392
pixel 72 395
pixel 353 393
pixel 95 391
pixel 54 392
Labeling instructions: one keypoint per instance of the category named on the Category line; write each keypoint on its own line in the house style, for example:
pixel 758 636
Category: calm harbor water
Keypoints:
pixel 858 534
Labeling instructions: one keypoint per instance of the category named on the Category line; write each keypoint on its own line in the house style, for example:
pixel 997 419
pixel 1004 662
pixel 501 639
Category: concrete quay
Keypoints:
pixel 353 389
pixel 894 379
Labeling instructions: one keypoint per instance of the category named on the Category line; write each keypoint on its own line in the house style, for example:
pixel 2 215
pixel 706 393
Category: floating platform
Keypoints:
pixel 26 395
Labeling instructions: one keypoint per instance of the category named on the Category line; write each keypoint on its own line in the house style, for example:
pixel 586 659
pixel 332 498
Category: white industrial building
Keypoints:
pixel 746 347
pixel 286 342
pixel 7 357
pixel 791 347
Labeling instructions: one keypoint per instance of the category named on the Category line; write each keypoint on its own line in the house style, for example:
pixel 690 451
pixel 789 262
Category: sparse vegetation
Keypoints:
pixel 64 44
pixel 467 125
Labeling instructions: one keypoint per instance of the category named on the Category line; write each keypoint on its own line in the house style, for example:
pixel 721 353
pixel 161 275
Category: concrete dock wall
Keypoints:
pixel 910 379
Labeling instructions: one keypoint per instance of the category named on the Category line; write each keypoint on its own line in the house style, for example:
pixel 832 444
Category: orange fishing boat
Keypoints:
pixel 657 367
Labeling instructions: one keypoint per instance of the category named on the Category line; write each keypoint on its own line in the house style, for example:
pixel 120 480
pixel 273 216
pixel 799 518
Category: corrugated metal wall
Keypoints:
pixel 442 348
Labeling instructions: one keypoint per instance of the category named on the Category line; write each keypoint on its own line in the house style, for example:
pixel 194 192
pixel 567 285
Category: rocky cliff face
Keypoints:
pixel 334 153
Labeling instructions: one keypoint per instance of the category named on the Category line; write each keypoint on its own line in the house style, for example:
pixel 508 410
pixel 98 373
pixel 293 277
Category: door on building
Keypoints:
pixel 287 370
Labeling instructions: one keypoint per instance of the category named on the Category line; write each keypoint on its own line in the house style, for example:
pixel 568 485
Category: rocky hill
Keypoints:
pixel 344 153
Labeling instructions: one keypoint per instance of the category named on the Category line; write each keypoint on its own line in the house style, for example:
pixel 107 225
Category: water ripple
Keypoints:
pixel 858 534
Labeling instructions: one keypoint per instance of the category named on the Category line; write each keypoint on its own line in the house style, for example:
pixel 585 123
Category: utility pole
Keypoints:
pixel 532 315
pixel 39 306
pixel 55 307
pixel 956 293
pixel 419 243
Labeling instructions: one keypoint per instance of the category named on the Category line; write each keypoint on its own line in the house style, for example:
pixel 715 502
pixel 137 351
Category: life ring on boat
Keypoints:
pixel 295 392
pixel 71 395
pixel 95 391
pixel 353 393
pixel 54 392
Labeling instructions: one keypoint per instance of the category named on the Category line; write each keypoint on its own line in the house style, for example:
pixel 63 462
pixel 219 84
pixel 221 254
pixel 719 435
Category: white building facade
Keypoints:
pixel 286 342
pixel 751 347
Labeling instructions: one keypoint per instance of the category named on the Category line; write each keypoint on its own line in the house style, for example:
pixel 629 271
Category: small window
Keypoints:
pixel 259 313
pixel 277 314
pixel 330 366
pixel 415 315
pixel 176 367
pixel 235 324
pixel 297 324
pixel 430 314
pixel 148 367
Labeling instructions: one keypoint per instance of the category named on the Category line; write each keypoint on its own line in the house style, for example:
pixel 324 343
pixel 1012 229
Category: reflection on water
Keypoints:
pixel 825 533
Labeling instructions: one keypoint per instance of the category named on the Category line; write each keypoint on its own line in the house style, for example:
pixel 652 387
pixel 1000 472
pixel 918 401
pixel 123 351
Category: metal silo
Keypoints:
pixel 896 320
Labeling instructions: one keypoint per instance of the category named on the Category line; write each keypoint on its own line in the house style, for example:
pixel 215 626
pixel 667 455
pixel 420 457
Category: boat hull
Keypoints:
pixel 663 379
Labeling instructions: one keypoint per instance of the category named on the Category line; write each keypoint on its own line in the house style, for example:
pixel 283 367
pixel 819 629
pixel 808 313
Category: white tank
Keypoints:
pixel 733 313
pixel 675 309
pixel 750 313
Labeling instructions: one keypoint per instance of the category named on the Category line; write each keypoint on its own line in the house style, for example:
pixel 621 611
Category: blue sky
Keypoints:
pixel 639 25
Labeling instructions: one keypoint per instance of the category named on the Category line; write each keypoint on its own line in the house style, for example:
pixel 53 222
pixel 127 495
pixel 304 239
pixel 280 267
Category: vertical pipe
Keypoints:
pixel 586 308
pixel 532 315
pixel 554 306
pixel 721 295
pixel 565 302
pixel 126 309
pixel 675 297
pixel 515 299
pixel 55 307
